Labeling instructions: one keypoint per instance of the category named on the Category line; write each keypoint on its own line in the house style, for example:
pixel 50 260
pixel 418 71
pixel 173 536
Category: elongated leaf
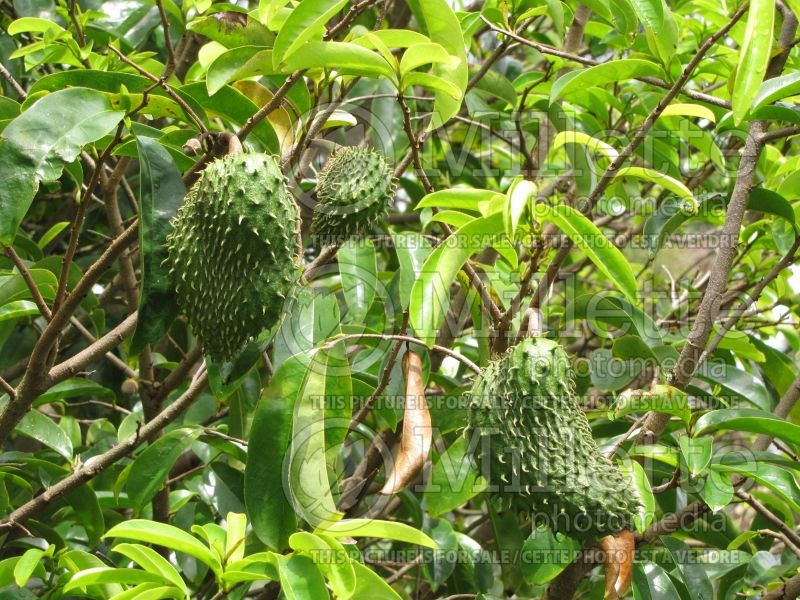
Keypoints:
pixel 370 585
pixel 100 575
pixel 151 468
pixel 663 398
pixel 650 13
pixel 430 296
pixel 324 550
pixel 618 313
pixel 308 472
pixel 35 146
pixel 344 57
pixel 412 249
pixel 425 54
pixel 304 23
pixel 665 181
pixel 578 137
pixel 465 198
pixel 753 57
pixel 162 534
pixel 152 562
pixel 453 480
pixel 776 89
pixel 300 578
pixel 671 214
pixel 359 272
pixel 691 571
pixel 748 419
pixel 161 194
pixel 517 199
pixel 689 110
pixel 236 64
pixel 41 428
pixel 651 582
pixel 609 72
pixel 586 236
pixel 437 19
pixel 696 453
pixel 545 555
pixel 378 529
pixel 737 383
pixel 268 508
pixel 647 510
pixel 767 201
pixel 780 481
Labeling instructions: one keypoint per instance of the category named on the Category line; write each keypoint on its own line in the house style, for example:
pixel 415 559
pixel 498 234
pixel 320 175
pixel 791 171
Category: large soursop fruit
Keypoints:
pixel 232 251
pixel 535 446
pixel 353 192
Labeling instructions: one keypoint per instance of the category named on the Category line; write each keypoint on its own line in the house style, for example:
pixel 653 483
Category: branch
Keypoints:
pixel 76 363
pixel 703 324
pixel 13 82
pixel 96 465
pixel 26 275
pixel 34 380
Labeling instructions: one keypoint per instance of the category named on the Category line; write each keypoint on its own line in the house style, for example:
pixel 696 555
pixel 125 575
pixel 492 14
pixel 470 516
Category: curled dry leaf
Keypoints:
pixel 415 444
pixel 618 553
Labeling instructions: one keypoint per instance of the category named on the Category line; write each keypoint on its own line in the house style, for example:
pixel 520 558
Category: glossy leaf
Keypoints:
pixel 41 428
pixel 161 194
pixel 453 480
pixel 391 530
pixel 305 22
pixel 753 56
pixel 609 72
pixel 748 419
pixel 586 236
pixel 35 146
pixel 359 271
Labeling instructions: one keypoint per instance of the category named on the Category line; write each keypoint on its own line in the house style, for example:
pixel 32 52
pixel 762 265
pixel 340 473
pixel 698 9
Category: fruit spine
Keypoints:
pixel 232 251
pixel 354 188
pixel 535 445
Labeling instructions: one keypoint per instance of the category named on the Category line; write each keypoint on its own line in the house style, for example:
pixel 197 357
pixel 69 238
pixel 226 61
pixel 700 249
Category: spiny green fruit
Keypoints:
pixel 353 192
pixel 535 445
pixel 232 251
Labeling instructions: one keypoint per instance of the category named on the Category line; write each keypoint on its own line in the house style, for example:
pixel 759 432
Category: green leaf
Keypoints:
pixel 35 146
pixel 305 22
pixel 161 194
pixel 608 72
pixel 647 510
pixel 747 419
pixel 753 57
pixel 545 555
pixel 300 578
pixel 464 198
pixel 359 271
pixel 425 54
pixel 270 512
pixel 18 309
pixel 717 491
pixel 152 562
pixel 235 533
pixel 236 64
pixel 331 558
pixel 518 196
pixel 101 575
pixel 563 138
pixel 439 565
pixel 651 582
pixel 309 486
pixel 586 236
pixel 26 565
pixel 696 453
pixel 412 249
pixel 665 181
pixel 671 214
pixel 650 13
pixel 168 536
pixel 663 399
pixel 370 585
pixel 453 481
pixel 780 481
pixel 776 89
pixel 767 201
pixel 227 28
pixel 41 428
pixel 346 58
pixel 430 296
pixel 151 468
pixel 737 383
pixel 439 22
pixel 378 529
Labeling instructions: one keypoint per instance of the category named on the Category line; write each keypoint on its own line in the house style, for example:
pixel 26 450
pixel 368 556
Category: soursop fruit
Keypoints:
pixel 354 188
pixel 535 445
pixel 233 250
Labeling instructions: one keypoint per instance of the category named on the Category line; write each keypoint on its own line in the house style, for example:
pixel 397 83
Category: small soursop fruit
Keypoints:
pixel 232 251
pixel 535 445
pixel 354 188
